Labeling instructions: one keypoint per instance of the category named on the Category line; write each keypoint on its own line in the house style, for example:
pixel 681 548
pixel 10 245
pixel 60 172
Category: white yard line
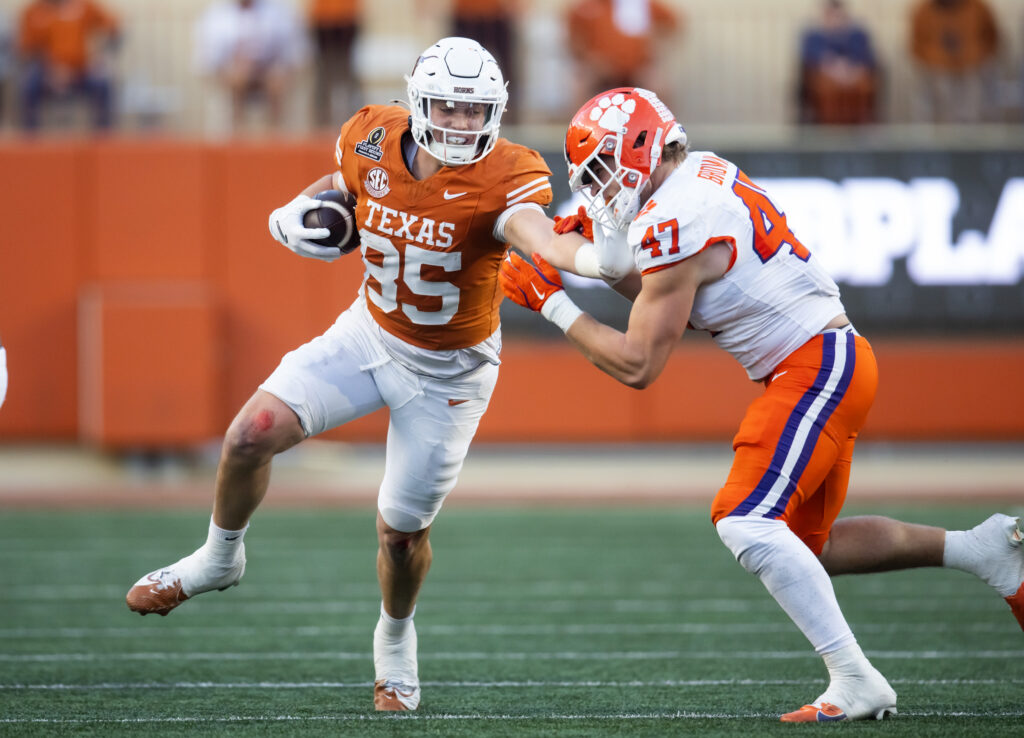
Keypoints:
pixel 504 684
pixel 320 631
pixel 166 656
pixel 364 718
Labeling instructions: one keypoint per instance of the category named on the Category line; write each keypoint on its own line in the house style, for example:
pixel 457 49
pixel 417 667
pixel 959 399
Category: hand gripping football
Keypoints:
pixel 338 215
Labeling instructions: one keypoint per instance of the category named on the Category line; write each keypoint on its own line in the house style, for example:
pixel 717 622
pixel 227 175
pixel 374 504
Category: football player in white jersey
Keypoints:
pixel 712 251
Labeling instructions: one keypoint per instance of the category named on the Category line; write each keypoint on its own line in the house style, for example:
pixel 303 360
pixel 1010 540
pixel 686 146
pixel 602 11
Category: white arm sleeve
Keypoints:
pixel 499 225
pixel 614 256
pixel 587 263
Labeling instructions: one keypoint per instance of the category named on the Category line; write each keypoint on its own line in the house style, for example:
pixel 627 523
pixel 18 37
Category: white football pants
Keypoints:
pixel 346 373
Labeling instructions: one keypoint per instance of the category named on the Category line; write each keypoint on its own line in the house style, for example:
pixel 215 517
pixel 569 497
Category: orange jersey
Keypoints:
pixel 596 38
pixel 429 246
pixel 953 38
pixel 330 12
pixel 484 9
pixel 61 33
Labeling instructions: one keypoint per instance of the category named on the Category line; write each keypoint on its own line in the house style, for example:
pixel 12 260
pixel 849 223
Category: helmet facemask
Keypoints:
pixel 618 137
pixel 604 167
pixel 454 146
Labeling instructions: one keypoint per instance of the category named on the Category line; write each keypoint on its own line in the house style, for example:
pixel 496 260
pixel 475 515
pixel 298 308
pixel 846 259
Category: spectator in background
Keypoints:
pixel 955 43
pixel 253 49
pixel 336 94
pixel 838 70
pixel 491 23
pixel 6 62
pixel 64 48
pixel 614 43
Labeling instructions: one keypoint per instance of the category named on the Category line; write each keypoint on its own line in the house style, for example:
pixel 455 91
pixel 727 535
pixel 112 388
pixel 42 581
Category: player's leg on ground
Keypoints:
pixel 264 427
pixel 428 439
pixel 403 560
pixel 784 491
pixel 796 580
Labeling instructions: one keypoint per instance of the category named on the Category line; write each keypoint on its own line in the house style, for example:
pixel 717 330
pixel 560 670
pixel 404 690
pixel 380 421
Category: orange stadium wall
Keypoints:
pixel 142 301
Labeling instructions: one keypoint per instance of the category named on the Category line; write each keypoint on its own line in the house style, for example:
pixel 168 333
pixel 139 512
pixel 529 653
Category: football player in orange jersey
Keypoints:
pixel 711 250
pixel 438 196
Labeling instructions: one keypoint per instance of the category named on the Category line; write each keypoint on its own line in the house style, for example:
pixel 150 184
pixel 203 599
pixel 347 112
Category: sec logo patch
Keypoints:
pixel 377 182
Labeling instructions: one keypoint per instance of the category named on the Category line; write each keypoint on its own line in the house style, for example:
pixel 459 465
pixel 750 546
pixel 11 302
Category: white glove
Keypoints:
pixel 614 256
pixel 287 229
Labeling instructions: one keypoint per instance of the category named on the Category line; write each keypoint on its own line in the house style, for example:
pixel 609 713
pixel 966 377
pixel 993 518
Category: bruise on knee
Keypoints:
pixel 263 421
pixel 250 437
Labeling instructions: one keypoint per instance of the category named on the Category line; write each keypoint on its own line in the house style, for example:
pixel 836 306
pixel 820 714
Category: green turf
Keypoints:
pixel 582 622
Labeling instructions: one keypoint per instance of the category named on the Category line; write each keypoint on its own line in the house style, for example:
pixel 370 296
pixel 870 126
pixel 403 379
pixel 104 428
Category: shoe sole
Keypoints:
pixel 811 714
pixel 146 602
pixel 390 699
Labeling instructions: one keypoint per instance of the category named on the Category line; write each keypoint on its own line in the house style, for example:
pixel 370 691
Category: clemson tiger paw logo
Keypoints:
pixel 613 112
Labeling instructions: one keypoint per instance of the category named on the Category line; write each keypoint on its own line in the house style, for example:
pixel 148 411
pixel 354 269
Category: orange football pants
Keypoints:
pixel 794 446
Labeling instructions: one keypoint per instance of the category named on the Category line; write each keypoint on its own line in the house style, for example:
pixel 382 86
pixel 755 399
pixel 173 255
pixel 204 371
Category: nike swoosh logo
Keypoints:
pixel 452 195
pixel 538 293
pixel 779 375
pixel 232 538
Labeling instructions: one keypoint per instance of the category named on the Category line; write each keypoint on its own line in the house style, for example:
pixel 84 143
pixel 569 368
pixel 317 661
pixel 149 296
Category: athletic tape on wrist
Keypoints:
pixel 561 310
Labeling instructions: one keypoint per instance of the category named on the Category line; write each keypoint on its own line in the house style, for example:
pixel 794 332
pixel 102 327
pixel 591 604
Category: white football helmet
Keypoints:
pixel 456 70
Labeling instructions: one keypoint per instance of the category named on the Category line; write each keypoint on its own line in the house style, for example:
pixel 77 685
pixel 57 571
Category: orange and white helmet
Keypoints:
pixel 618 136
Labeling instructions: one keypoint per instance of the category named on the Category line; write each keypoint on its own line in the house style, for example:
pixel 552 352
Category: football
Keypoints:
pixel 338 215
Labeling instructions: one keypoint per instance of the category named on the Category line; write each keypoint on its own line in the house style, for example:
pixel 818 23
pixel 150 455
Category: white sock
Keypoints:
pixel 222 545
pixel 849 662
pixel 394 628
pixel 855 685
pixel 769 550
pixel 988 552
pixel 959 551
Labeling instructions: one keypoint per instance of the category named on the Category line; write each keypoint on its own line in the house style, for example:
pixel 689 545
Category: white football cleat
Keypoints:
pixel 163 590
pixel 865 698
pixel 1000 559
pixel 397 683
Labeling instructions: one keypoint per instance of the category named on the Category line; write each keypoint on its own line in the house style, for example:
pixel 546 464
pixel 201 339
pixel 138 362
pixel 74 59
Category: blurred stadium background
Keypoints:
pixel 141 302
pixel 142 299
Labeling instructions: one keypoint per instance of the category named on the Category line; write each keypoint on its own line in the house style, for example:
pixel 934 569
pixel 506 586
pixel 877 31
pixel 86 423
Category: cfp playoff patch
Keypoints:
pixel 370 148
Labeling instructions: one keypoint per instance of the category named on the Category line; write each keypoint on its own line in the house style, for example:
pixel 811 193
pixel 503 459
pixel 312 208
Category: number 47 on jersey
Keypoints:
pixel 771 231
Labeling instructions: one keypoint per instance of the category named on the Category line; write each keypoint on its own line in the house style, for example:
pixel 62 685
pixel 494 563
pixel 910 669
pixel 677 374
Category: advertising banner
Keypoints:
pixel 920 242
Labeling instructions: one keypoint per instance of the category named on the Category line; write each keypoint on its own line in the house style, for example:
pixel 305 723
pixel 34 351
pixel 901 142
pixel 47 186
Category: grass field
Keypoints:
pixel 581 622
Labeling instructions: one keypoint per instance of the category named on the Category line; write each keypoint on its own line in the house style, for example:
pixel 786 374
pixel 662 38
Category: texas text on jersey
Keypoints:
pixel 432 248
